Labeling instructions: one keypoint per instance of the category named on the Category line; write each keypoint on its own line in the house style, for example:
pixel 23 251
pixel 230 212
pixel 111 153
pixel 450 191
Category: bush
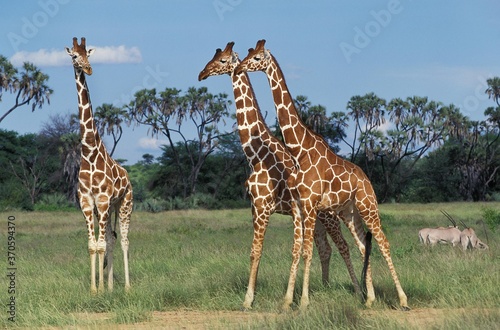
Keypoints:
pixel 54 202
pixel 153 205
pixel 491 217
pixel 14 197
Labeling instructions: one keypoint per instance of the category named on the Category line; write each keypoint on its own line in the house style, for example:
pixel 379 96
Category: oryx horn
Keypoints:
pixel 449 218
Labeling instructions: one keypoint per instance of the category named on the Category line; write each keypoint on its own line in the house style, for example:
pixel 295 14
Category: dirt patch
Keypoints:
pixel 194 320
pixel 419 318
pixel 181 319
pixel 425 318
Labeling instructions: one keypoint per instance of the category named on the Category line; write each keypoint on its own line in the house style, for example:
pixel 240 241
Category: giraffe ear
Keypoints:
pixel 69 51
pixel 90 52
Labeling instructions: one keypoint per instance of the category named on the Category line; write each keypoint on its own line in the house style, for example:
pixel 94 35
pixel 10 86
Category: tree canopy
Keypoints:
pixel 413 149
pixel 29 85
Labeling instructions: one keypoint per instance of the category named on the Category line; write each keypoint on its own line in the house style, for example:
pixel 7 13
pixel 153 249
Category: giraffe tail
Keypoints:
pixel 106 254
pixel 113 231
pixel 368 250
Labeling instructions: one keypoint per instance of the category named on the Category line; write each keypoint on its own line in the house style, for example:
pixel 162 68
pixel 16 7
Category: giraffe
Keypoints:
pixel 271 165
pixel 324 181
pixel 104 185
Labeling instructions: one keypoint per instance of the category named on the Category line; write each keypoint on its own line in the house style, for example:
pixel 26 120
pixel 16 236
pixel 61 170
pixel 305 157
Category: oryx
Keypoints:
pixel 469 240
pixel 442 235
pixel 467 237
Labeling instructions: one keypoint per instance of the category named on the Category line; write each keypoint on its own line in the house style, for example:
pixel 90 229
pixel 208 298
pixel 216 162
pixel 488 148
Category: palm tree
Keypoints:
pixel 493 89
pixel 7 75
pixel 368 113
pixel 109 120
pixel 29 86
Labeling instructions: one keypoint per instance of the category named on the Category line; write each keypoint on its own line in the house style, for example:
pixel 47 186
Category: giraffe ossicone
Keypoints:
pixel 271 166
pixel 324 181
pixel 103 185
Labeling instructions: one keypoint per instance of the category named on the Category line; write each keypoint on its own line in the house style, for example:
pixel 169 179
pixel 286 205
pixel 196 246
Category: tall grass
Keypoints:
pixel 200 260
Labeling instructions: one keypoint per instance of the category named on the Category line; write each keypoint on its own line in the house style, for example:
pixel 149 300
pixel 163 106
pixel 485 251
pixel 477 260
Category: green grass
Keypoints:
pixel 199 260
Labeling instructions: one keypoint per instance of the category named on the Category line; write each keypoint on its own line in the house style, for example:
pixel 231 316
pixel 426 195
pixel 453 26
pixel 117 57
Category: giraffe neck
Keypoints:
pixel 251 124
pixel 295 132
pixel 89 136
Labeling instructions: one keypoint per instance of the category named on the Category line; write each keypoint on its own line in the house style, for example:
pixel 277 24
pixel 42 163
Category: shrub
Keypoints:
pixel 153 205
pixel 54 202
pixel 491 217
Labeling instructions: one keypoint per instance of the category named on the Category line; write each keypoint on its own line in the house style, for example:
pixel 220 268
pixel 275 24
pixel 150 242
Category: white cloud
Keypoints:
pixel 117 54
pixel 148 143
pixel 41 57
pixel 53 57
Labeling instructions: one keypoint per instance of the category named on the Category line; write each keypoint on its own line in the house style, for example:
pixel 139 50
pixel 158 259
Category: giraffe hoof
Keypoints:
pixel 405 308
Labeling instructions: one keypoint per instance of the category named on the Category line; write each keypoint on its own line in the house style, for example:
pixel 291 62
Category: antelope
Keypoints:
pixel 452 234
pixel 469 239
pixel 441 235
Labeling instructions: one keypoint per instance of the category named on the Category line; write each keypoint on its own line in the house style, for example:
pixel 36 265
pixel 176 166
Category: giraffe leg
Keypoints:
pixel 88 212
pixel 355 226
pixel 260 222
pixel 333 227
pixel 103 216
pixel 373 224
pixel 92 252
pixel 324 249
pixel 296 249
pixel 383 244
pixel 309 224
pixel 110 244
pixel 125 214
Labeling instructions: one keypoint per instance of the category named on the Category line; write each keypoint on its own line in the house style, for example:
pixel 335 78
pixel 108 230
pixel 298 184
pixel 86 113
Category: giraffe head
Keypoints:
pixel 223 62
pixel 258 59
pixel 80 56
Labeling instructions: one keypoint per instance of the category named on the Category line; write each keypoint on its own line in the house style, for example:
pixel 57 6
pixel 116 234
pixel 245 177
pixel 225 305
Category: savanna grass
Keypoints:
pixel 200 260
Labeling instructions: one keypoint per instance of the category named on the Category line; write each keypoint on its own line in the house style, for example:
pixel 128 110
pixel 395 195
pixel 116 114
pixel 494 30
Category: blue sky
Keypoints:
pixel 328 50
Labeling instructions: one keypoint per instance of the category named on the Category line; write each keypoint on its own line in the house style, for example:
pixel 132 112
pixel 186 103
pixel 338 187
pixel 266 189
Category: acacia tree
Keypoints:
pixel 192 119
pixel 28 85
pixel 33 164
pixel 63 132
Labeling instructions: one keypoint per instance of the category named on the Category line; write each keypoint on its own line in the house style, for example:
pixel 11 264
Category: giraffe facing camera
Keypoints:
pixel 103 185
